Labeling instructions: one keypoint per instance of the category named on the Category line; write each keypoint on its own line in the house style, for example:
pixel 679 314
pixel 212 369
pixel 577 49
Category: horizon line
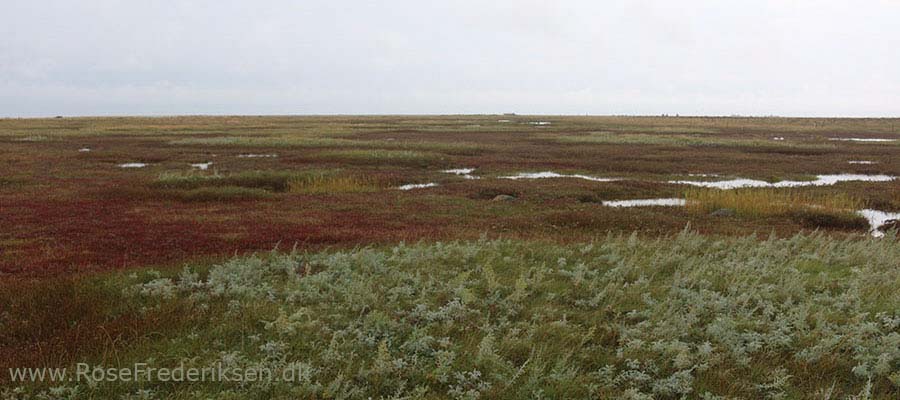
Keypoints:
pixel 63 116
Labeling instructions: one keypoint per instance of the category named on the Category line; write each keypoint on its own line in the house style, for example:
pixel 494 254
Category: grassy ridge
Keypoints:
pixel 275 181
pixel 258 184
pixel 813 211
pixel 689 316
pixel 329 183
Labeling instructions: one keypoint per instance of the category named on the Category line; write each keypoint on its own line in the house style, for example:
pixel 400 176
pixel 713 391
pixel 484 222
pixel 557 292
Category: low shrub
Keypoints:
pixel 12 182
pixel 815 218
pixel 491 193
pixel 688 316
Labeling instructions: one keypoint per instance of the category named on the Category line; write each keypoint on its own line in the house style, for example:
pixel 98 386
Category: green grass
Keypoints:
pixel 366 156
pixel 327 142
pixel 329 183
pixel 273 181
pixel 257 184
pixel 688 316
pixel 837 211
pixel 756 202
pixel 201 187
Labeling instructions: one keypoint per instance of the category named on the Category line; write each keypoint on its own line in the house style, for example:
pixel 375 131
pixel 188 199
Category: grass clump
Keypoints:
pixel 12 182
pixel 837 211
pixel 273 181
pixel 258 184
pixel 194 187
pixel 687 316
pixel 768 202
pixel 365 156
pixel 326 183
pixel 843 220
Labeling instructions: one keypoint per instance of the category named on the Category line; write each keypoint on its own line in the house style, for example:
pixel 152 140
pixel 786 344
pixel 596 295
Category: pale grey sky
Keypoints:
pixel 760 57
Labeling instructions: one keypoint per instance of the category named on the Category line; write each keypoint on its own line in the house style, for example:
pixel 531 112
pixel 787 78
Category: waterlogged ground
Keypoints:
pixel 690 316
pixel 80 194
pixel 458 257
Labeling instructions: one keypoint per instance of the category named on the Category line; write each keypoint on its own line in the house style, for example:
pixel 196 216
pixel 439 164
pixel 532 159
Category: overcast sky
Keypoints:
pixel 760 57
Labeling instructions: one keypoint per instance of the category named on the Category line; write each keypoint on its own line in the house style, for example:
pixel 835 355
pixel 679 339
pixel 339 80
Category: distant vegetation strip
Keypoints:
pixel 461 148
pixel 685 140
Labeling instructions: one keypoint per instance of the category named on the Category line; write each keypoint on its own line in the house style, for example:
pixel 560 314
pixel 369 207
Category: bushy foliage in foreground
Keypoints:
pixel 684 317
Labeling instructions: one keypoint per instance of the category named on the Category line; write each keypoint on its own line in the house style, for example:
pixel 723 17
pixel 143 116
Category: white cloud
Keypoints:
pixel 600 57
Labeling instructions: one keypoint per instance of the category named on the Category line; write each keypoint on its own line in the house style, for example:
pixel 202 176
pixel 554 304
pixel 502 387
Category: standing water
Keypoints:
pixel 821 180
pixel 550 174
pixel 646 203
pixel 877 219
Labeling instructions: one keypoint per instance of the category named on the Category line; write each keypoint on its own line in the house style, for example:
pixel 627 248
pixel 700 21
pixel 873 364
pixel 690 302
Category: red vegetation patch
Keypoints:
pixel 65 210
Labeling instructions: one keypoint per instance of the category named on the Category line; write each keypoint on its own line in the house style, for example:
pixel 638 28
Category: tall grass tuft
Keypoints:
pixel 768 202
pixel 273 181
pixel 324 183
pixel 258 184
pixel 812 211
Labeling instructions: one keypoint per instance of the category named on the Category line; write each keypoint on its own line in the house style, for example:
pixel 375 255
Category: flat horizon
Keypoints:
pixel 50 116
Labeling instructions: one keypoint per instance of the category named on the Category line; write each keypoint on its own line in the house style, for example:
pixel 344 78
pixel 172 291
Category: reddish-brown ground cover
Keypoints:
pixel 65 210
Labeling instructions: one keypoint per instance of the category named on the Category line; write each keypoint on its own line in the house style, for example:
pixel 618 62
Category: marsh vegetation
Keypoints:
pixel 506 271
pixel 808 316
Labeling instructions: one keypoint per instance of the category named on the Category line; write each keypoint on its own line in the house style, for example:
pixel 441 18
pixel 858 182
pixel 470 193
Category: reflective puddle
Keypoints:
pixel 877 219
pixel 257 155
pixel 821 180
pixel 853 139
pixel 412 186
pixel 31 139
pixel 646 203
pixel 463 172
pixel 133 165
pixel 202 166
pixel 550 174
pixel 862 162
